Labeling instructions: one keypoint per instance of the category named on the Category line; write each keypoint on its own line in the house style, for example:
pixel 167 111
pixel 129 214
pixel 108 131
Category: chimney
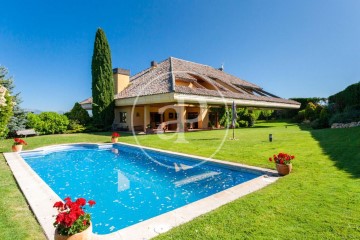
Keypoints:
pixel 221 68
pixel 121 79
pixel 154 64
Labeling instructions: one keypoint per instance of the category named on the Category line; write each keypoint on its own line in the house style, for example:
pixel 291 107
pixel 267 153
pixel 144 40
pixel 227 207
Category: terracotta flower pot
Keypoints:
pixel 84 235
pixel 283 169
pixel 17 148
pixel 114 140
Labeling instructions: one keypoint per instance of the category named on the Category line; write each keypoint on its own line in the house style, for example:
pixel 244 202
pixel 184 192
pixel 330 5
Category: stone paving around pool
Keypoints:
pixel 41 199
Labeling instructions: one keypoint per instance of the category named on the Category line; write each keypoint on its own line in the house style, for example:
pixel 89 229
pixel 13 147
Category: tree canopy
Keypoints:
pixel 77 113
pixel 102 81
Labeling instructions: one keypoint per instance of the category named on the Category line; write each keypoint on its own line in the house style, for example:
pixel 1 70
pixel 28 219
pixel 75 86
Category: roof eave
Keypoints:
pixel 190 98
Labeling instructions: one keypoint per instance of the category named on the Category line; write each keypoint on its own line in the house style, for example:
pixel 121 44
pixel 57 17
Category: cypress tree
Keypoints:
pixel 102 82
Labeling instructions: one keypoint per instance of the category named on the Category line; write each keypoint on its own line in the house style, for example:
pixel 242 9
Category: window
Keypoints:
pixel 122 117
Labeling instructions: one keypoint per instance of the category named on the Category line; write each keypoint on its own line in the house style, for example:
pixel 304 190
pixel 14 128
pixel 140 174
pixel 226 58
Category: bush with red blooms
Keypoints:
pixel 71 218
pixel 115 135
pixel 282 158
pixel 19 141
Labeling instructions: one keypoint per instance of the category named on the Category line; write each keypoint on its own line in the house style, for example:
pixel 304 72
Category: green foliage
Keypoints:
pixel 102 81
pixel 266 114
pixel 310 113
pixel 18 118
pixel 48 122
pixel 246 118
pixel 75 127
pixel 324 118
pixel 322 192
pixel 348 97
pixel 292 113
pixel 78 114
pixel 224 115
pixel 6 112
pixel 300 116
pixel 305 101
pixel 345 117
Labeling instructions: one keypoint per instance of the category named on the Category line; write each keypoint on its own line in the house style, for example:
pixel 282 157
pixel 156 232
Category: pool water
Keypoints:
pixel 128 185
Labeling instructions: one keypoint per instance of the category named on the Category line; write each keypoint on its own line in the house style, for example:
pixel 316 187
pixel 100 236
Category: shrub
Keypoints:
pixel 250 118
pixel 266 114
pixel 300 116
pixel 242 123
pixel 48 122
pixel 315 124
pixel 345 117
pixel 310 112
pixel 78 114
pixel 75 127
pixel 324 118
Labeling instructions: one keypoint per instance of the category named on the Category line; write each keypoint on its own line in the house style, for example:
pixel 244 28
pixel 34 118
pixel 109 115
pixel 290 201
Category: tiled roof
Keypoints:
pixel 86 101
pixel 161 79
pixel 149 82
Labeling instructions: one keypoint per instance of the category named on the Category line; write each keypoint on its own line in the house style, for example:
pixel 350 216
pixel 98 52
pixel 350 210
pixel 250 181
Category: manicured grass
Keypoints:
pixel 320 199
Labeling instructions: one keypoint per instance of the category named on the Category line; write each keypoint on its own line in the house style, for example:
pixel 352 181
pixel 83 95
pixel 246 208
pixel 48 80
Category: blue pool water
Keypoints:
pixel 128 185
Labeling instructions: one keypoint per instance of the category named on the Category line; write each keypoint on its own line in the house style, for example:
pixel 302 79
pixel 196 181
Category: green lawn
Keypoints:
pixel 320 199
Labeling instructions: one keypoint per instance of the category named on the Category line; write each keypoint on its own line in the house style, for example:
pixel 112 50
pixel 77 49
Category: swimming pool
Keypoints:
pixel 129 185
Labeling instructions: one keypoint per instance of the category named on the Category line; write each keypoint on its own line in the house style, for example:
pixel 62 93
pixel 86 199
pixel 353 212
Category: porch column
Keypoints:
pixel 203 118
pixel 146 116
pixel 181 119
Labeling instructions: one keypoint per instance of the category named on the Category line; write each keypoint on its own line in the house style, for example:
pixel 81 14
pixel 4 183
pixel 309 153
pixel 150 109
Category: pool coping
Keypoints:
pixel 41 197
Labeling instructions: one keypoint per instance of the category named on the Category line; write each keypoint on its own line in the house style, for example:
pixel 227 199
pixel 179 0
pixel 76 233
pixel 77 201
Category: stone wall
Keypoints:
pixel 345 125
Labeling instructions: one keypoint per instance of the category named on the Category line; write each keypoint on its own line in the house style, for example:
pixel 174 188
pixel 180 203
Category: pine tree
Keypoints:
pixel 102 82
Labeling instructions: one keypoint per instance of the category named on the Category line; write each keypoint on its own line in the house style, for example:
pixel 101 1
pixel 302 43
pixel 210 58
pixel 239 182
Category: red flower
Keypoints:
pixel 115 135
pixel 282 158
pixel 72 214
pixel 59 204
pixel 81 201
pixel 19 141
pixel 91 202
pixel 60 217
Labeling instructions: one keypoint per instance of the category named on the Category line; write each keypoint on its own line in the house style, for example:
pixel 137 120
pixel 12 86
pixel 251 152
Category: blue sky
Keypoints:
pixel 307 48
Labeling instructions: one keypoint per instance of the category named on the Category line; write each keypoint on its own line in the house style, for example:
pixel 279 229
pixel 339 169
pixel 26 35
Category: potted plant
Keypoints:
pixel 114 137
pixel 149 129
pixel 18 145
pixel 72 223
pixel 283 163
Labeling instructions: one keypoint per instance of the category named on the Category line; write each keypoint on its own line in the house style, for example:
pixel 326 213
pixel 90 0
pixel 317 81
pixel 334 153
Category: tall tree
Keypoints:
pixel 102 81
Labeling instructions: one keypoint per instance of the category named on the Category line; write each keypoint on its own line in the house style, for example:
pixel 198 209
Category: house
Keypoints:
pixel 177 95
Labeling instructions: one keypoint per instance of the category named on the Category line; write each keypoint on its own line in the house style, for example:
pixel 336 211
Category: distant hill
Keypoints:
pixel 37 111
